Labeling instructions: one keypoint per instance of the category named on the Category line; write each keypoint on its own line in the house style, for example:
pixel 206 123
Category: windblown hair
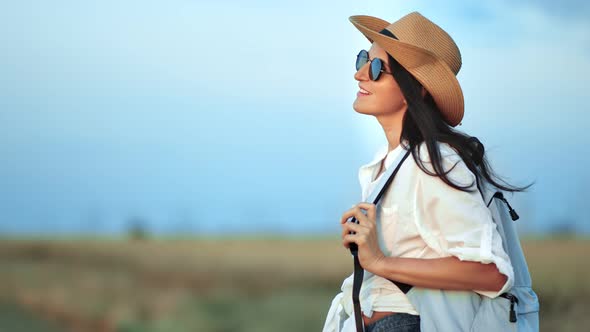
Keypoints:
pixel 424 123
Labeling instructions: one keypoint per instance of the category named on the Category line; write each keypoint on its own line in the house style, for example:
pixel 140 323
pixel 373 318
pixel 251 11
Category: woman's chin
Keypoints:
pixel 362 110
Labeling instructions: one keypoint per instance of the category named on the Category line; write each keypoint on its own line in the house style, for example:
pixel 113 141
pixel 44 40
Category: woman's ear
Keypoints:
pixel 423 92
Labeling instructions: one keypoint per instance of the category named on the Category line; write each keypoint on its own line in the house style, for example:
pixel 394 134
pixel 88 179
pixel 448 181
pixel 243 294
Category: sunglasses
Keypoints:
pixel 376 65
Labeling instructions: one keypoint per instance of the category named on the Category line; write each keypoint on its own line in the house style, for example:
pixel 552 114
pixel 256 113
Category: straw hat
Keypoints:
pixel 426 51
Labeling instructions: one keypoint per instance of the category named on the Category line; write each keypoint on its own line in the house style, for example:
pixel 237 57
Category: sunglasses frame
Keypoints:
pixel 376 63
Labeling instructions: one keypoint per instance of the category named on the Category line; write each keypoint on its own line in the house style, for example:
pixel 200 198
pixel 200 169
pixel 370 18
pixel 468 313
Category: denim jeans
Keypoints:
pixel 399 322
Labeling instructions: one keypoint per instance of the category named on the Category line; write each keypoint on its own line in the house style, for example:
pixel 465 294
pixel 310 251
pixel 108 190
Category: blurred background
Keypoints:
pixel 183 165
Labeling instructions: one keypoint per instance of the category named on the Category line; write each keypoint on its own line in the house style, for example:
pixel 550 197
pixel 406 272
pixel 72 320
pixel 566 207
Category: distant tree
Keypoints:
pixel 564 228
pixel 137 229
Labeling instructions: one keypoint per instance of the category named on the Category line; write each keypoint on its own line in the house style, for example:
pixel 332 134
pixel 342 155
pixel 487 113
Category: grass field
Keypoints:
pixel 229 284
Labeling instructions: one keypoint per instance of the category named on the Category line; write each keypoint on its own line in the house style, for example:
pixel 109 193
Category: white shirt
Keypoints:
pixel 420 216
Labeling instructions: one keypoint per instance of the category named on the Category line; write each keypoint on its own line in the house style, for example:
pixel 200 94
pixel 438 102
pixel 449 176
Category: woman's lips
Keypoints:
pixel 362 92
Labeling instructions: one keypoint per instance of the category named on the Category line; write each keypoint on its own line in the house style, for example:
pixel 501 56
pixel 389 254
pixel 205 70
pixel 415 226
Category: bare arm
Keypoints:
pixel 441 273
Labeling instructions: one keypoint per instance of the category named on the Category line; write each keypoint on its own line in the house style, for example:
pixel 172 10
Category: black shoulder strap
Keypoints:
pixel 358 269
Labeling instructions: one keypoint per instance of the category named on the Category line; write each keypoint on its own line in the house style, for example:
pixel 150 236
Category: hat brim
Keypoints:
pixel 433 73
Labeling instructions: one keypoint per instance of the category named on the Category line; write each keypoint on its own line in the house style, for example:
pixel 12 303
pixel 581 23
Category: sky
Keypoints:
pixel 236 117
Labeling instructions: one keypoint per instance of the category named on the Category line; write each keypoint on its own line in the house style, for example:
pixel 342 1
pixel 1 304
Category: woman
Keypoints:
pixel 431 228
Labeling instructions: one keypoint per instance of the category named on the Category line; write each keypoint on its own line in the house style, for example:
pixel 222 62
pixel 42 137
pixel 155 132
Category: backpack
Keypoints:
pixel 451 310
pixel 524 303
pixel 515 310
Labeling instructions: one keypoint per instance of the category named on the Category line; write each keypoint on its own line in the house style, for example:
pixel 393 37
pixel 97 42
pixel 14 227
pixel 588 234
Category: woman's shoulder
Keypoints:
pixel 447 152
pixel 451 162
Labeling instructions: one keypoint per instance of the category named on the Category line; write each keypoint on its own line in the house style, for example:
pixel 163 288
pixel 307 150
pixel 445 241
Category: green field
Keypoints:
pixel 227 284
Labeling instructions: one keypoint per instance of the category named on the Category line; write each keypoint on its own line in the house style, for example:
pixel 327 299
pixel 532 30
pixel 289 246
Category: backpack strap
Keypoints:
pixel 358 269
pixel 500 196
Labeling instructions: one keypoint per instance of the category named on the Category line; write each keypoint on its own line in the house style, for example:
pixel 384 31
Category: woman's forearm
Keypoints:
pixel 441 273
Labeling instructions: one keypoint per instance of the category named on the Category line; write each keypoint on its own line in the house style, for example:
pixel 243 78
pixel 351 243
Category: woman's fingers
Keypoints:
pixel 359 239
pixel 357 212
pixel 350 226
pixel 347 240
pixel 346 215
pixel 364 235
pixel 371 210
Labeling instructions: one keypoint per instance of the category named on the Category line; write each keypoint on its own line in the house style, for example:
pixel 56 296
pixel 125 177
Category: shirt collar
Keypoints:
pixel 381 153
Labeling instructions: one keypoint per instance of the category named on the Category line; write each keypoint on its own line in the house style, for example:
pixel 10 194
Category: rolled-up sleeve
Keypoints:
pixel 457 223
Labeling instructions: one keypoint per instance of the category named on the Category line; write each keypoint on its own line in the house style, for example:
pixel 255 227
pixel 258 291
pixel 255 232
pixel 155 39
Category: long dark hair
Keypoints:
pixel 423 122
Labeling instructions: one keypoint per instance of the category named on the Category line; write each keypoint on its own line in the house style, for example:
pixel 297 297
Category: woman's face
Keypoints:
pixel 385 97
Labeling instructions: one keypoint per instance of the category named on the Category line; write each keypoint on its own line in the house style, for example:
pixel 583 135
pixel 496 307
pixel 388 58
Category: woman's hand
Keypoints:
pixel 369 253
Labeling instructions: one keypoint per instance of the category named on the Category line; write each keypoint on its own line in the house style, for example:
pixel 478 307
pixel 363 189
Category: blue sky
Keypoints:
pixel 217 117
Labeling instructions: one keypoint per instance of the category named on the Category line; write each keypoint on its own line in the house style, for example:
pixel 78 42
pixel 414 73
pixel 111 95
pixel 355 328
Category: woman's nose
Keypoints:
pixel 362 74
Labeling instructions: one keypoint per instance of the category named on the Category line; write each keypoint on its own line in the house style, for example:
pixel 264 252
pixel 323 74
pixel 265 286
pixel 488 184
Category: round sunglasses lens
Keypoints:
pixel 375 71
pixel 361 59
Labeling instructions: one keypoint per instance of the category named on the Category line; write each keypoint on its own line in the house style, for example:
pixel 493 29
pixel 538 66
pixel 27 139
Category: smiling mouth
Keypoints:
pixel 363 91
